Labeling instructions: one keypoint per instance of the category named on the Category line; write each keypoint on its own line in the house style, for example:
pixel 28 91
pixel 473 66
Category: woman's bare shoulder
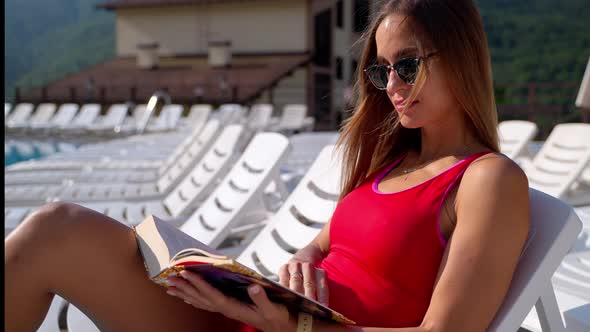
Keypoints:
pixel 495 169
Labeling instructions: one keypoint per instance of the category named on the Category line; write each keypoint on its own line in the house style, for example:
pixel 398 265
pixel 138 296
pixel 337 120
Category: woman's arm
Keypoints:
pixel 317 249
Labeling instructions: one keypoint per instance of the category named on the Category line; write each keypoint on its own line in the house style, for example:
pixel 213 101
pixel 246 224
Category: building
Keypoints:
pixel 217 51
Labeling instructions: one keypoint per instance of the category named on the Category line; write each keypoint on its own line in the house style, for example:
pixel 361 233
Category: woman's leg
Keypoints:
pixel 93 262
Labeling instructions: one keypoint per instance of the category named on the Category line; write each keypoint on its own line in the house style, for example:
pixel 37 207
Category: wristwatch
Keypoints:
pixel 304 322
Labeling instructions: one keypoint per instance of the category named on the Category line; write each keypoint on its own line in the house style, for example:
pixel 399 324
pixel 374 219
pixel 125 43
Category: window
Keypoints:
pixel 353 67
pixel 340 14
pixel 339 69
pixel 361 15
pixel 323 39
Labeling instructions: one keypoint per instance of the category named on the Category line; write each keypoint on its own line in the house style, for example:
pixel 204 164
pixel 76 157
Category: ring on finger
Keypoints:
pixel 297 275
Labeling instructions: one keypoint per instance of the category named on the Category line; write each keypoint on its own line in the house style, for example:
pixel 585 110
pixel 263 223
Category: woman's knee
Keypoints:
pixel 53 222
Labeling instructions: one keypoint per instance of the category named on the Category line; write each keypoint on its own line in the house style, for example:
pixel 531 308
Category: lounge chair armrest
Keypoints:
pixel 240 231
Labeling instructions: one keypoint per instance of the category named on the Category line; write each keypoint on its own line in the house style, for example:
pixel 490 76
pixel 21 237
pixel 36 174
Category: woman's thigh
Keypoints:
pixel 93 261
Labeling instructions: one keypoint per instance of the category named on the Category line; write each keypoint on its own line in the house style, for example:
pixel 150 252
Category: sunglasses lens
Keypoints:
pixel 407 69
pixel 378 75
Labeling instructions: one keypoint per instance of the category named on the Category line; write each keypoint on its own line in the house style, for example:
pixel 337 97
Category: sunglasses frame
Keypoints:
pixel 389 68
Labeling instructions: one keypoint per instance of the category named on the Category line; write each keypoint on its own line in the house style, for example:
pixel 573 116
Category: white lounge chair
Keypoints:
pixel 43 114
pixel 191 191
pixel 7 108
pixel 515 136
pixel 167 120
pixel 554 228
pixel 19 115
pixel 259 117
pixel 571 282
pixel 178 173
pixel 51 322
pixel 86 117
pixel 293 118
pixel 105 155
pixel 305 148
pixel 130 203
pixel 119 184
pixel 308 208
pixel 114 117
pixel 196 112
pixel 230 113
pixel 560 162
pixel 239 199
pixel 65 114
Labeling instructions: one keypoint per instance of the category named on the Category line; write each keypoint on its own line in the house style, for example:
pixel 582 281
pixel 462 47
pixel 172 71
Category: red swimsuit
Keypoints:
pixel 386 248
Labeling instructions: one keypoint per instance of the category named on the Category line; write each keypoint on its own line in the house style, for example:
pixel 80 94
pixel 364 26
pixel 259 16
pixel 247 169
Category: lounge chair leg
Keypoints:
pixel 548 311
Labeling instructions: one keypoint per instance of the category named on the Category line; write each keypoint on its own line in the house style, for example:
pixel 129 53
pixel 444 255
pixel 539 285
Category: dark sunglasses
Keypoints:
pixel 406 69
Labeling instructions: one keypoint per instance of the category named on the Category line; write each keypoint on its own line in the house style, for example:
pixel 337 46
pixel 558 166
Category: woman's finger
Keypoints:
pixel 184 286
pixel 265 307
pixel 195 302
pixel 309 281
pixel 322 287
pixel 296 277
pixel 221 303
pixel 284 275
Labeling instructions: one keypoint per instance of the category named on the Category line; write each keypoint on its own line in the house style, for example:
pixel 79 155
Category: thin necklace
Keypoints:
pixel 407 171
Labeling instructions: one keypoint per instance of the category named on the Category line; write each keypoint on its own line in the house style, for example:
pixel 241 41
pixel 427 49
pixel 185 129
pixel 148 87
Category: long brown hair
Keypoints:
pixel 372 137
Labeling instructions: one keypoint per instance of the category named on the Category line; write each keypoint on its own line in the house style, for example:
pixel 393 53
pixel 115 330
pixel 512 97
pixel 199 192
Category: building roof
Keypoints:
pixel 188 79
pixel 118 4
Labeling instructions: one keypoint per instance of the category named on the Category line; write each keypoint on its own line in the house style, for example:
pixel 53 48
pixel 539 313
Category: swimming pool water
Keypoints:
pixel 20 150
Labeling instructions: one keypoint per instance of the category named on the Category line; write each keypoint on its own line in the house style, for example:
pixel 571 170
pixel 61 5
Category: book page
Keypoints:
pixel 176 240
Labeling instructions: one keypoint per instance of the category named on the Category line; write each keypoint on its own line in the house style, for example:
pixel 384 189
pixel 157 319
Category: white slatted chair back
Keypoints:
pixel 78 322
pixel 139 113
pixel 205 173
pixel 553 230
pixel 561 160
pixel 64 115
pixel 307 210
pixel 199 113
pixel 115 116
pixel 20 114
pixel 293 116
pixel 87 115
pixel 190 157
pixel 259 116
pixel 51 322
pixel 515 135
pixel 169 117
pixel 43 114
pixel 197 129
pixel 231 113
pixel 240 190
pixel 7 108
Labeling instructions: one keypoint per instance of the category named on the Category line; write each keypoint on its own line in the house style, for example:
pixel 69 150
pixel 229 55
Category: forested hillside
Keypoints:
pixel 537 40
pixel 45 40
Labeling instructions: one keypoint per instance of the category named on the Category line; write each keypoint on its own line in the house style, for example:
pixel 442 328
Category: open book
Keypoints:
pixel 167 250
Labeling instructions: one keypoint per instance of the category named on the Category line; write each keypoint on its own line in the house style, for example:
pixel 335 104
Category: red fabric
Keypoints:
pixel 246 328
pixel 386 248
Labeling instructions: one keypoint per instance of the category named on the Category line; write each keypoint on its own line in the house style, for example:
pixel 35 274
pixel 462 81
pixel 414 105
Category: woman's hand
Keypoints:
pixel 301 275
pixel 263 314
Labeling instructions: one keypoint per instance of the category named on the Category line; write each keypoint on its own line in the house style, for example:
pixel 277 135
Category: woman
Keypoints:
pixel 412 246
